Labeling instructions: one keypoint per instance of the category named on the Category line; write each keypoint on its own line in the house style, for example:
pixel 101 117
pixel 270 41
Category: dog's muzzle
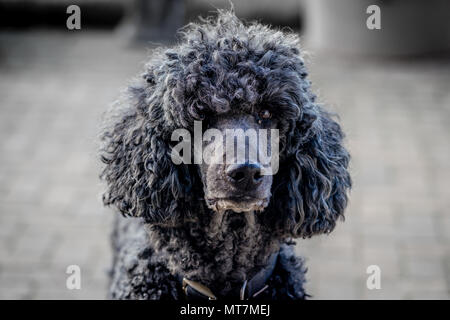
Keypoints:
pixel 238 204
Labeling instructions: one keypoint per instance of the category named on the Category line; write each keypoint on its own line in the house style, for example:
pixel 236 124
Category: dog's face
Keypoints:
pixel 237 171
pixel 228 76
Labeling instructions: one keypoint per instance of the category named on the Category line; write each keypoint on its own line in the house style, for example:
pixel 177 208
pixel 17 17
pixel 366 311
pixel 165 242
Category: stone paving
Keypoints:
pixel 54 87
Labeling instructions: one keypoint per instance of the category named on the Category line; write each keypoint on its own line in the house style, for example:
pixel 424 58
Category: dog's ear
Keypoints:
pixel 142 181
pixel 312 190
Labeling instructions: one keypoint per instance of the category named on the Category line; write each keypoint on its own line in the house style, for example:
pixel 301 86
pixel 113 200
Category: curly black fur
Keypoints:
pixel 221 66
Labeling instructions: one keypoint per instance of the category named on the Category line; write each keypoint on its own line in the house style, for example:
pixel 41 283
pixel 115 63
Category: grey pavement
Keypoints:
pixel 54 87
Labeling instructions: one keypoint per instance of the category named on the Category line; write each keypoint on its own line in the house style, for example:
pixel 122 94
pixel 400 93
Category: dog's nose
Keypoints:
pixel 245 176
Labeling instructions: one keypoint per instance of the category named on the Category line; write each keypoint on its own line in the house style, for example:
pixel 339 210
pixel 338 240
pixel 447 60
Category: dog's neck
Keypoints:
pixel 220 251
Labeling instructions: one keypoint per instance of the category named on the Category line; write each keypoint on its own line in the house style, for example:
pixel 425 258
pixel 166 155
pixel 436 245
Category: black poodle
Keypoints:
pixel 218 231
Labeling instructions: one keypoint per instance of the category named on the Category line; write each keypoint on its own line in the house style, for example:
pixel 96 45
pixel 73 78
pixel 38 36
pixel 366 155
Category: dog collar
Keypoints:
pixel 250 288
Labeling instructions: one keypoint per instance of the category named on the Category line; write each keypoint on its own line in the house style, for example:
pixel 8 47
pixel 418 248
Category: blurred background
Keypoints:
pixel 390 86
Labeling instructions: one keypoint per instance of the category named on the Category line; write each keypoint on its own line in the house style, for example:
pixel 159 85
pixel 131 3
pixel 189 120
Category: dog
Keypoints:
pixel 206 231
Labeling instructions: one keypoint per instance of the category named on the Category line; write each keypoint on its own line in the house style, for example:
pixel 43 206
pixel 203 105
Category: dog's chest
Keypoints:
pixel 222 260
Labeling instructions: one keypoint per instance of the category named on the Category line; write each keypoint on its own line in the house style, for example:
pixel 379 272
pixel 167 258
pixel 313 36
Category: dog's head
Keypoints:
pixel 226 120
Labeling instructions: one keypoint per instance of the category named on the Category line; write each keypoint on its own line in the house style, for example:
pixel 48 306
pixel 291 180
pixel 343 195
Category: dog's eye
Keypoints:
pixel 200 114
pixel 265 114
